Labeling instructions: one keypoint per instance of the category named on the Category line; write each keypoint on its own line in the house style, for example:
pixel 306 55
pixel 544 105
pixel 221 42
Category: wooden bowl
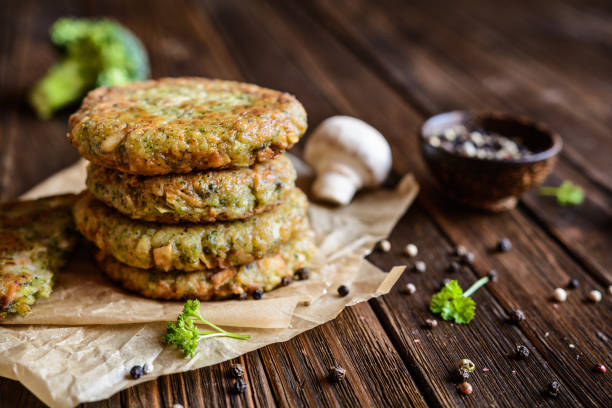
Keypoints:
pixel 494 184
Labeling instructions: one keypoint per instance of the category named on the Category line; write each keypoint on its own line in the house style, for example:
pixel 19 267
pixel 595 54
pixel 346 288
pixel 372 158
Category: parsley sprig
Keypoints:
pixel 185 335
pixel 566 193
pixel 451 303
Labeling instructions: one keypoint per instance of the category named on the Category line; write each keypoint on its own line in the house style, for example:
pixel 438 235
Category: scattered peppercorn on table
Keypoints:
pixel 541 329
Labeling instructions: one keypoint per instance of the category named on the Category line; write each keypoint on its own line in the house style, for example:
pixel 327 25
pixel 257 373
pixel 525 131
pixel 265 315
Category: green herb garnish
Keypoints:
pixel 185 335
pixel 451 303
pixel 566 193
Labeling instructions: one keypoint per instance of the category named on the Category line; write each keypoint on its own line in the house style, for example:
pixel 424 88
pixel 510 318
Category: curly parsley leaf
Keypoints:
pixel 185 335
pixel 452 304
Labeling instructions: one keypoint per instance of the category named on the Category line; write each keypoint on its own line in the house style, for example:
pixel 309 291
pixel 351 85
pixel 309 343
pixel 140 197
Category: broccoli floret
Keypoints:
pixel 96 53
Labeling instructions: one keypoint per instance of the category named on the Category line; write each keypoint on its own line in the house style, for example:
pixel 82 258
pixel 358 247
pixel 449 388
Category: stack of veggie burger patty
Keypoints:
pixel 189 195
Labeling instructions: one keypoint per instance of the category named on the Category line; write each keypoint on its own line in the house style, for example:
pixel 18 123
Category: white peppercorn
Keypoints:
pixel 384 245
pixel 420 266
pixel 411 250
pixel 560 295
pixel 409 288
pixel 595 296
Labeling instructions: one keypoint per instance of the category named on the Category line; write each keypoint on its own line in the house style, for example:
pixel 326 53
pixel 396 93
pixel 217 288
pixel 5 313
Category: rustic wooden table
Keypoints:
pixel 393 64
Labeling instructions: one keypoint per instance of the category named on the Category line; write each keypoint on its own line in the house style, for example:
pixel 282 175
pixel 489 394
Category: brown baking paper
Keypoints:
pixel 79 344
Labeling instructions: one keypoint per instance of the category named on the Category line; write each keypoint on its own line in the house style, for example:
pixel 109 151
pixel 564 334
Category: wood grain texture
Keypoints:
pixel 438 75
pixel 391 64
pixel 385 103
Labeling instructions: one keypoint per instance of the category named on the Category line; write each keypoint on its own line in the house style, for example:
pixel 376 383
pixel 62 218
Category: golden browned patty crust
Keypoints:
pixel 35 240
pixel 266 274
pixel 194 197
pixel 190 247
pixel 180 125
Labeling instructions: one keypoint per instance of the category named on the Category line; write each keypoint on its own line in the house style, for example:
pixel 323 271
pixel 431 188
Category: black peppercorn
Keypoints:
pixel 573 283
pixel 336 374
pixel 136 372
pixel 462 374
pixel 302 274
pixel 453 267
pixel 343 290
pixel 492 275
pixel 517 316
pixel 504 245
pixel 258 294
pixel 236 371
pixel 286 281
pixel 242 295
pixel 467 258
pixel 522 352
pixel 554 388
pixel 239 386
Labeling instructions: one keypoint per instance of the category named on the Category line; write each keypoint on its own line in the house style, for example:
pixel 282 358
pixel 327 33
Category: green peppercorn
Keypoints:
pixel 467 364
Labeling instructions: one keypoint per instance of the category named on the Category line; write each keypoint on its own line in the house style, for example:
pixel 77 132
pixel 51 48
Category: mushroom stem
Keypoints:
pixel 337 183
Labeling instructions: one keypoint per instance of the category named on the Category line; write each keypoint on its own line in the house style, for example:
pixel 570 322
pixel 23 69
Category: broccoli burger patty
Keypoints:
pixel 195 197
pixel 190 247
pixel 266 274
pixel 35 239
pixel 180 125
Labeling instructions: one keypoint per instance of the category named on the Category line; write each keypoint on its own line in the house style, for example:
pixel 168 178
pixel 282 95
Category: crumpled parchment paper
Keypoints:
pixel 79 344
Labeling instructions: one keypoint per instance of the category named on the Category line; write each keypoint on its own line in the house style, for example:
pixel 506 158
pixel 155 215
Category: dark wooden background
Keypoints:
pixel 393 64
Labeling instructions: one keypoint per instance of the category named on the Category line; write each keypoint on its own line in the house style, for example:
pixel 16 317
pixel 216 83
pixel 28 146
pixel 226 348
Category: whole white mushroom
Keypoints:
pixel 347 154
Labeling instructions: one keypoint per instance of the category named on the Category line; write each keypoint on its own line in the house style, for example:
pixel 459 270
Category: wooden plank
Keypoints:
pixel 384 101
pixel 437 82
pixel 489 340
pixel 375 375
pixel 13 394
pixel 321 56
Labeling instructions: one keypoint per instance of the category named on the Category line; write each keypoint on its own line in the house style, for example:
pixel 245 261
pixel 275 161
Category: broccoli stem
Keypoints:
pixel 65 82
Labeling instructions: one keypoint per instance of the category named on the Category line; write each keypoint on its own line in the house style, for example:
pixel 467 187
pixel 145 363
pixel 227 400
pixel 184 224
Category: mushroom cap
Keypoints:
pixel 354 139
